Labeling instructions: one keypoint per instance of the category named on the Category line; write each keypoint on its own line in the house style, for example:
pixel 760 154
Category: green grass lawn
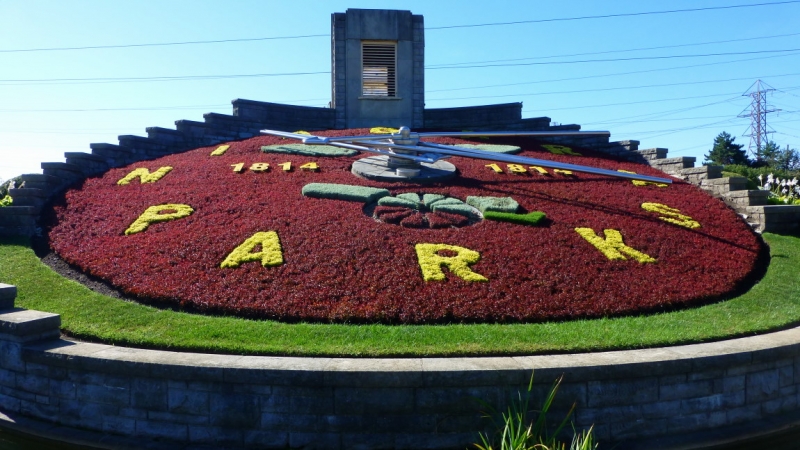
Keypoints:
pixel 771 304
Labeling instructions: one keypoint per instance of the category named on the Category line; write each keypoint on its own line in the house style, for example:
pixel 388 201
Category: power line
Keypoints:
pixel 13 82
pixel 606 16
pixel 161 78
pixel 619 51
pixel 662 113
pixel 270 38
pixel 634 58
pixel 635 103
pixel 142 108
pixel 160 44
pixel 600 90
pixel 150 108
pixel 587 77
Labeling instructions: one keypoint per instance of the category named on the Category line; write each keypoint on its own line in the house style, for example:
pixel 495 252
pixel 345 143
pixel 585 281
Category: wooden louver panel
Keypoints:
pixel 378 69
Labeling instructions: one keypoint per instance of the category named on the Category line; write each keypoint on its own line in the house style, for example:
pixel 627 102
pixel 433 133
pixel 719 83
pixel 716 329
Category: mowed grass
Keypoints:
pixel 771 304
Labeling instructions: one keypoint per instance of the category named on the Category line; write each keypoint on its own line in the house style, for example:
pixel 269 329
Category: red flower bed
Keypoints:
pixel 341 264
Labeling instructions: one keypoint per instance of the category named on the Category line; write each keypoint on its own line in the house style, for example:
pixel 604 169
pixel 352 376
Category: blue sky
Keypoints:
pixel 671 80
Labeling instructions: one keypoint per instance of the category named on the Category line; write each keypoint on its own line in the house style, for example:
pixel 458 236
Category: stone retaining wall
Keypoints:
pixel 474 117
pixel 658 398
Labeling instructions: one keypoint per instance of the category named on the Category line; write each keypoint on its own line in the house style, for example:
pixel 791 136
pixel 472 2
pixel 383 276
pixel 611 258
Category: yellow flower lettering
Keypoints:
pixel 672 215
pixel 430 262
pixel 270 254
pixel 560 150
pixel 144 175
pixel 220 150
pixel 159 213
pixel 612 246
pixel 643 183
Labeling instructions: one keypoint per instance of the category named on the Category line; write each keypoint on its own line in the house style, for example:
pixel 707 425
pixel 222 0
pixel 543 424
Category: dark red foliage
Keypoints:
pixel 340 264
pixel 392 214
pixel 446 220
pixel 415 220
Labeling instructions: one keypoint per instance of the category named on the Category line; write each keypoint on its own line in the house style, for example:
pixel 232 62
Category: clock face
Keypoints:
pixel 235 230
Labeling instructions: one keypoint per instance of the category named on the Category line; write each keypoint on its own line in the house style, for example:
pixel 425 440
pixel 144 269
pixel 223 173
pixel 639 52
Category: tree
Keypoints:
pixel 768 154
pixel 726 152
pixel 788 159
pixel 780 159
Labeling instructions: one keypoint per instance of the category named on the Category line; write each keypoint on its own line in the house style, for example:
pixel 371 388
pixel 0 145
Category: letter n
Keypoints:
pixel 144 175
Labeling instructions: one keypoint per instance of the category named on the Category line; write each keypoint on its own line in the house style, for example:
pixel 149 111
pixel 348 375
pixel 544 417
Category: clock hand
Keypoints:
pixel 411 148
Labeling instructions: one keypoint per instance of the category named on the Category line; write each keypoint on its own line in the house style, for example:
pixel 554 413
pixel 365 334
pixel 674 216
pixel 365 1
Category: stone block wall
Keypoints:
pixel 665 398
pixel 486 117
pixel 283 117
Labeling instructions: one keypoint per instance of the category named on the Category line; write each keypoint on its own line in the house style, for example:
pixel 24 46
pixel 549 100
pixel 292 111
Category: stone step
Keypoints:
pixel 535 123
pixel 673 166
pixel 46 183
pixel 142 147
pixel 67 173
pixel 699 175
pixel 115 155
pixel 745 198
pixel 242 127
pixel 166 136
pixel 201 133
pixel 722 185
pixel 8 293
pixel 24 325
pixel 89 164
pixel 653 153
pixel 28 197
pixel 775 218
pixel 18 220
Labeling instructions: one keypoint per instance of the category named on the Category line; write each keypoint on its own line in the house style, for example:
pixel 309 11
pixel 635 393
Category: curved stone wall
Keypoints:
pixel 655 398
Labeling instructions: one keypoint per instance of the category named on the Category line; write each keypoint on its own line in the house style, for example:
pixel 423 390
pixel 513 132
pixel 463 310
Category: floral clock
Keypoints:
pixel 268 229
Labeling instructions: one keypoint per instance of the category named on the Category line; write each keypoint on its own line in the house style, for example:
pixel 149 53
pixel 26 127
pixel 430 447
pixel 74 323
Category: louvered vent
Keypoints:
pixel 378 62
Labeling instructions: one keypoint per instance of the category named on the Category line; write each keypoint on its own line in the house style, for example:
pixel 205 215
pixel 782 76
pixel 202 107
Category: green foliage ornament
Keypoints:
pixel 308 150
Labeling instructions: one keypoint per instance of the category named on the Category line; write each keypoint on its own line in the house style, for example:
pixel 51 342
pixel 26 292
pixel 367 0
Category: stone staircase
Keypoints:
pixel 751 204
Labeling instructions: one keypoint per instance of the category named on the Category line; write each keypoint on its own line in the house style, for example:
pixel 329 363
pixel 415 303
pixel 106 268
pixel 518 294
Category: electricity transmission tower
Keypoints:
pixel 758 130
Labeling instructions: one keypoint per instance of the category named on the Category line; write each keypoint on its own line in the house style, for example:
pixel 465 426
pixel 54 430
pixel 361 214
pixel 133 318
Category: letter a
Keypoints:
pixel 270 254
pixel 431 262
pixel 612 246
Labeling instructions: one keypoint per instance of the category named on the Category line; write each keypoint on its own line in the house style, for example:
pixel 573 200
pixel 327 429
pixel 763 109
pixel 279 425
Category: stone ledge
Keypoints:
pixel 673 164
pixel 90 164
pixel 23 325
pixel 725 184
pixel 46 183
pixel 28 197
pixel 653 153
pixel 17 211
pixel 8 294
pixel 746 198
pixel 511 369
pixel 115 155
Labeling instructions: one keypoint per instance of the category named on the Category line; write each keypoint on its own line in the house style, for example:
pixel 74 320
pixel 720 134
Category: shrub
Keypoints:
pixel 344 192
pixel 532 218
pixel 499 204
pixel 308 150
pixel 516 429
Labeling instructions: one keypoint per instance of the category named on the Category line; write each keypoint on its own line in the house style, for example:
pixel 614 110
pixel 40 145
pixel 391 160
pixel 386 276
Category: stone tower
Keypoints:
pixel 378 68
